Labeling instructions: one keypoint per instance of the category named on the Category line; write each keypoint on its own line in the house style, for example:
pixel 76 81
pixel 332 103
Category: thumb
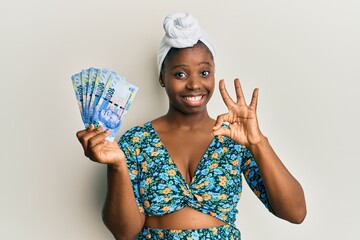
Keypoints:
pixel 219 121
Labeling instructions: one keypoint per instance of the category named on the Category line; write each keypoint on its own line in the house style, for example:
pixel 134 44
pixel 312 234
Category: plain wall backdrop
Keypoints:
pixel 303 55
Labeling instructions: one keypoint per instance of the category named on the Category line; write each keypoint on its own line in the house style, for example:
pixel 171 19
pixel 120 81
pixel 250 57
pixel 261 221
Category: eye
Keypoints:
pixel 180 75
pixel 205 73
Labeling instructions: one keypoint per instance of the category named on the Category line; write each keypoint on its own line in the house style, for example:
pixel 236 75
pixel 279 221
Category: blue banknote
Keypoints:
pixel 114 104
pixel 77 85
pixel 101 80
pixel 85 83
pixel 90 89
pixel 103 98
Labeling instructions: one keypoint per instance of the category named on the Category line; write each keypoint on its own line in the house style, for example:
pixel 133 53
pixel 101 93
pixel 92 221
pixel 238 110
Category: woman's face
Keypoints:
pixel 188 75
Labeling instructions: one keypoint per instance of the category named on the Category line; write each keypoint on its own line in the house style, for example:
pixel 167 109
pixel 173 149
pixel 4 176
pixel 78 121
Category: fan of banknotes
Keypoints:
pixel 103 98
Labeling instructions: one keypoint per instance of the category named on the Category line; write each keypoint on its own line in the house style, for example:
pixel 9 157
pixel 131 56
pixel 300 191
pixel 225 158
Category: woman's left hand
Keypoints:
pixel 243 124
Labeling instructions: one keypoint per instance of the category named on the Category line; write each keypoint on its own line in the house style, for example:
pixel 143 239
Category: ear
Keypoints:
pixel 161 80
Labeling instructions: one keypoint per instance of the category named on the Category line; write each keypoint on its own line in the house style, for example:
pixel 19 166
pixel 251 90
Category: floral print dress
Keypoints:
pixel 160 189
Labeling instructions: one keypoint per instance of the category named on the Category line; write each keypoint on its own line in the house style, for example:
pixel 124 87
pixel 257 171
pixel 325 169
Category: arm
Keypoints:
pixel 120 213
pixel 285 194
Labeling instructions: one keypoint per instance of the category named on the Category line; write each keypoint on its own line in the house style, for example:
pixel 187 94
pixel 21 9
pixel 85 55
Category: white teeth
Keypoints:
pixel 194 99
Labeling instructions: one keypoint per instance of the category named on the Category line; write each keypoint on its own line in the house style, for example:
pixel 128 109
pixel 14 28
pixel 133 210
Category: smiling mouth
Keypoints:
pixel 193 99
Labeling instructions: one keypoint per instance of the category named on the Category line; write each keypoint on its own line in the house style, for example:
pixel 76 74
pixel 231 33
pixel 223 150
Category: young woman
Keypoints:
pixel 180 176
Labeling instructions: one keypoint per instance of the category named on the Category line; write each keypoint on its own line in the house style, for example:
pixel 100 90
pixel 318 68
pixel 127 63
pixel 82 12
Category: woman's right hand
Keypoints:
pixel 97 148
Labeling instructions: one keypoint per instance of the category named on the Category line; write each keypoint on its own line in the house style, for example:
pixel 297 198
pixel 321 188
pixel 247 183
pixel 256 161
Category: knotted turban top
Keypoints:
pixel 182 30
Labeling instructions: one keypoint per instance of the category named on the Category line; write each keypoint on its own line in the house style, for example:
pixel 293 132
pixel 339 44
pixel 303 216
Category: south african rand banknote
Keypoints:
pixel 85 83
pixel 103 98
pixel 101 80
pixel 114 104
pixel 90 89
pixel 77 85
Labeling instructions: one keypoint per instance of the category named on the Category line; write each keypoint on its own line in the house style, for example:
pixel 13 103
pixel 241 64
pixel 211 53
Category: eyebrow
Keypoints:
pixel 177 66
pixel 184 65
pixel 206 63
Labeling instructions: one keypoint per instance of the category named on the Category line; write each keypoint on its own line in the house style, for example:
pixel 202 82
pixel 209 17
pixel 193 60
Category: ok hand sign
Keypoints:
pixel 243 124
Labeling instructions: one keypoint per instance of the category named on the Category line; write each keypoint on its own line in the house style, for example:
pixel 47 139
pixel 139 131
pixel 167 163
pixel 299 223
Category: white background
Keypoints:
pixel 303 55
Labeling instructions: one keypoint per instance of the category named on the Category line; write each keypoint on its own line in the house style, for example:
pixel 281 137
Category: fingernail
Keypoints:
pixel 96 124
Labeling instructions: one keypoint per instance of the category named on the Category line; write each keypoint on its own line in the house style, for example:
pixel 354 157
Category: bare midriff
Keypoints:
pixel 185 218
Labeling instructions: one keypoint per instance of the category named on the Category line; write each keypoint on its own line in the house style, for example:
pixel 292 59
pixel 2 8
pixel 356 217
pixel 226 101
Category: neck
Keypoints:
pixel 187 121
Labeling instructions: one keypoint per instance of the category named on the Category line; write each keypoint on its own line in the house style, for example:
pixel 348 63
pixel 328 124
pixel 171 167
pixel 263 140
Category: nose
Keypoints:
pixel 194 82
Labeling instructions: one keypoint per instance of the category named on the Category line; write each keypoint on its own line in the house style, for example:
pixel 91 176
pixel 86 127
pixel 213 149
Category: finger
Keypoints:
pixel 90 132
pixel 218 123
pixel 225 95
pixel 254 99
pixel 240 100
pixel 80 134
pixel 91 127
pixel 98 138
pixel 222 132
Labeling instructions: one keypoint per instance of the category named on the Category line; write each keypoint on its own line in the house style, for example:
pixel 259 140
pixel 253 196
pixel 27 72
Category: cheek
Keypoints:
pixel 210 85
pixel 174 86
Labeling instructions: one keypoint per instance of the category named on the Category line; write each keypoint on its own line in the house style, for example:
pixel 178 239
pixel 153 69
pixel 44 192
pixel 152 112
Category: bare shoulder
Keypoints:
pixel 160 124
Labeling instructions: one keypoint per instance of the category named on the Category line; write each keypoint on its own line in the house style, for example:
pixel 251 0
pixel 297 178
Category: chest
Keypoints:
pixel 186 150
pixel 168 182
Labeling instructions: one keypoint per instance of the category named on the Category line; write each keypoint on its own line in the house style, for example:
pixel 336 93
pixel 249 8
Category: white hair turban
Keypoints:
pixel 182 30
